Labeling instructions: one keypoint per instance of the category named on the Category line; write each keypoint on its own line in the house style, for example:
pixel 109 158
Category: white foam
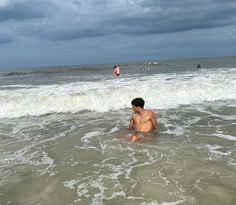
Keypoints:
pixel 163 203
pixel 114 129
pixel 213 149
pixel 228 137
pixel 161 91
pixel 70 184
pixel 177 131
pixel 88 136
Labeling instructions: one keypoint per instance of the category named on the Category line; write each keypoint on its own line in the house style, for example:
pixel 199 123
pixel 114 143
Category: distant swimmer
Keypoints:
pixel 116 71
pixel 145 69
pixel 198 66
pixel 142 120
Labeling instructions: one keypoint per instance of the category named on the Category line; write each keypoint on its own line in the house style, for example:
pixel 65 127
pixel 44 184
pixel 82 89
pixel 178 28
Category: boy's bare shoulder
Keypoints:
pixel 151 113
pixel 135 113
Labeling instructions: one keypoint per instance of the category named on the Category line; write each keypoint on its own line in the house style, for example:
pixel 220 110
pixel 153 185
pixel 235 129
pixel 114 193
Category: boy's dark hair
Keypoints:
pixel 138 102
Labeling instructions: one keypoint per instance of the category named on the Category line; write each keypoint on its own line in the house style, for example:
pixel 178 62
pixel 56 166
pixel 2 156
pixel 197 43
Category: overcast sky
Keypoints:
pixel 73 32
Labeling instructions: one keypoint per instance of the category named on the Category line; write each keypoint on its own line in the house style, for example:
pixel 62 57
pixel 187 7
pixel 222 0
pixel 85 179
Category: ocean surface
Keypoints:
pixel 63 134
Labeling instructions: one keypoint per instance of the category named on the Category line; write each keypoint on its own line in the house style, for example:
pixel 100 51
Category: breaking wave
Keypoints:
pixel 160 91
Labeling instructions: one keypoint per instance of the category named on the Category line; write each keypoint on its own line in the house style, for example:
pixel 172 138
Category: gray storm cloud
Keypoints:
pixel 71 19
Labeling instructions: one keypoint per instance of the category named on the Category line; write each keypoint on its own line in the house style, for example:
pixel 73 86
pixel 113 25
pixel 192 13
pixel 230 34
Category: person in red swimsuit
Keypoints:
pixel 116 71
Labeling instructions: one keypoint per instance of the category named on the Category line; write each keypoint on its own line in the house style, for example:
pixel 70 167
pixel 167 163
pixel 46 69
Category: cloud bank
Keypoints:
pixel 73 19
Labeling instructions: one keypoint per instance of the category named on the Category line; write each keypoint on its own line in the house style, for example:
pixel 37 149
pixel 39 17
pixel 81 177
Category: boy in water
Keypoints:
pixel 142 120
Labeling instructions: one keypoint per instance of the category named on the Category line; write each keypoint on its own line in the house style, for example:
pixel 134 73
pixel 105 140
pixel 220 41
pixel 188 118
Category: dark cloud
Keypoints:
pixel 23 10
pixel 6 35
pixel 71 19
pixel 173 16
pixel 141 17
pixel 5 39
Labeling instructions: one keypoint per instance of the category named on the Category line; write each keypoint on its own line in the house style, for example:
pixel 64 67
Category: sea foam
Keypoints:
pixel 160 91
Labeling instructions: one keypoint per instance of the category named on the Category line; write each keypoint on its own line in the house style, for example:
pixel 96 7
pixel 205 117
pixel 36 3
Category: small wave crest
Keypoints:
pixel 54 70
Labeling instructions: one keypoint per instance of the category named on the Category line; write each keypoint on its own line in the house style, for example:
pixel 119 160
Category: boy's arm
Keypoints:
pixel 154 121
pixel 131 123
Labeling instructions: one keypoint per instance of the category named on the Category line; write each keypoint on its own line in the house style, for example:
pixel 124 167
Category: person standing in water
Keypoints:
pixel 142 120
pixel 116 71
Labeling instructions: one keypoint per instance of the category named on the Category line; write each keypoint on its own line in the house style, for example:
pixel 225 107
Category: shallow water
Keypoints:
pixel 84 158
pixel 66 142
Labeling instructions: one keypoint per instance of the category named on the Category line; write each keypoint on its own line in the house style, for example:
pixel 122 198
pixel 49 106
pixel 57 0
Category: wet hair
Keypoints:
pixel 138 102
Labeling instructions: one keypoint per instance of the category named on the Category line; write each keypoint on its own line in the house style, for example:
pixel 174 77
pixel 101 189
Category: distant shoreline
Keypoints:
pixel 106 65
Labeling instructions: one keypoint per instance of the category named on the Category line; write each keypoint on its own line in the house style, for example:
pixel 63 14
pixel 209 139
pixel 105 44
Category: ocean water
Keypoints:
pixel 63 134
